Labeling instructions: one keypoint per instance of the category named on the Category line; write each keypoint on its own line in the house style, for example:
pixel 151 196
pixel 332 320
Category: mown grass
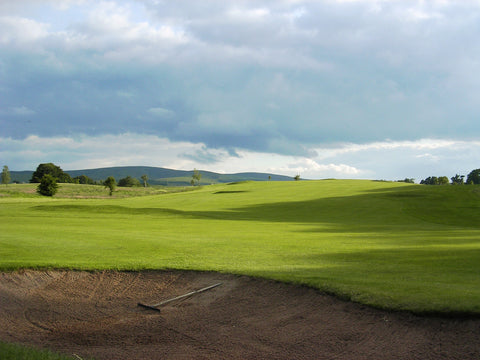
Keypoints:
pixel 389 245
pixel 20 352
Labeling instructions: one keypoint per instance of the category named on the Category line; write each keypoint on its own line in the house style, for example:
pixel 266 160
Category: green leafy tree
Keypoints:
pixel 196 177
pixel 144 178
pixel 83 179
pixel 128 182
pixel 5 175
pixel 297 177
pixel 110 183
pixel 457 179
pixel 48 185
pixel 474 177
pixel 443 180
pixel 51 169
pixel 431 180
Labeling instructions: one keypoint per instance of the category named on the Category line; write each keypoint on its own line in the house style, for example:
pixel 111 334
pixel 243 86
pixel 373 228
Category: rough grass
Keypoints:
pixel 19 352
pixel 389 245
pixel 72 191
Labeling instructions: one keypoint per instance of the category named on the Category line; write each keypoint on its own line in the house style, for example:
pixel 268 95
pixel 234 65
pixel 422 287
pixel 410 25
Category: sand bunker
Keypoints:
pixel 96 315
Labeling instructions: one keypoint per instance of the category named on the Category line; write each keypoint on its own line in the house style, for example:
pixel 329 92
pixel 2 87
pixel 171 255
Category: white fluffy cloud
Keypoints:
pixel 389 160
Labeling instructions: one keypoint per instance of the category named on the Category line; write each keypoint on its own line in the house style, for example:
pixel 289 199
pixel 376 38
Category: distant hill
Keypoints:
pixel 21 176
pixel 159 176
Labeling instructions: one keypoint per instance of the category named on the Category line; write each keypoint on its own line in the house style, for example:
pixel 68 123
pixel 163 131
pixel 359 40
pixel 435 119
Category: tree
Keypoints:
pixel 51 169
pixel 297 177
pixel 83 179
pixel 144 177
pixel 474 177
pixel 457 179
pixel 5 175
pixel 407 180
pixel 431 180
pixel 128 182
pixel 443 180
pixel 110 183
pixel 48 185
pixel 196 177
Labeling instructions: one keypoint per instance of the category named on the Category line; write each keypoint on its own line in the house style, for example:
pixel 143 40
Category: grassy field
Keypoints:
pixel 390 245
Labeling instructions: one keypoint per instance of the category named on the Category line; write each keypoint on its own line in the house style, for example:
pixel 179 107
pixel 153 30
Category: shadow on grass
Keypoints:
pixel 375 210
pixel 435 268
pixel 230 192
pixel 427 281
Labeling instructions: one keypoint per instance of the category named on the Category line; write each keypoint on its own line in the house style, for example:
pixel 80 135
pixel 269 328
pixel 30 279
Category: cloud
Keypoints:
pixel 161 112
pixel 390 161
pixel 22 111
pixel 401 159
pixel 311 168
pixel 83 151
pixel 276 77
pixel 205 156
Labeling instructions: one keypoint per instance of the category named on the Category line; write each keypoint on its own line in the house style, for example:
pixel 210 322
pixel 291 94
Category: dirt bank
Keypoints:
pixel 96 314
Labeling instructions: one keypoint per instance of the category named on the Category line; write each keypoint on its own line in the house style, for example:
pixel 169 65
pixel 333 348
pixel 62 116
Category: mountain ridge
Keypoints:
pixel 159 175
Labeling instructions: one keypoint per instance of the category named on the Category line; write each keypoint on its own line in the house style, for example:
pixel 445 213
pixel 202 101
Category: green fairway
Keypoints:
pixel 390 245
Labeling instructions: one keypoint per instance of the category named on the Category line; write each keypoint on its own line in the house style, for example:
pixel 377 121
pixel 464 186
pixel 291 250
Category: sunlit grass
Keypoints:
pixel 390 245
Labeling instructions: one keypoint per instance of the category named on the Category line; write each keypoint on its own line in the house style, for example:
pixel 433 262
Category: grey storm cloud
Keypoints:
pixel 272 76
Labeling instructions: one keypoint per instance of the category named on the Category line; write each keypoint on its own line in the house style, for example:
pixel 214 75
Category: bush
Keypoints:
pixel 48 185
pixel 128 182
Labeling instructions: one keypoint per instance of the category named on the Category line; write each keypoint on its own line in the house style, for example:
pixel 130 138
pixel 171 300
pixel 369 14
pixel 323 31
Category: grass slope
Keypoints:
pixel 390 245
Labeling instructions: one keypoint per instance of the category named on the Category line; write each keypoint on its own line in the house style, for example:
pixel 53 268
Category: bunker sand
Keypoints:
pixel 95 314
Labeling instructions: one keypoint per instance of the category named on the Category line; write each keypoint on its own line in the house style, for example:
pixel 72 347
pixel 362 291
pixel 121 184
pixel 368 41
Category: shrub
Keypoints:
pixel 128 182
pixel 48 185
pixel 110 183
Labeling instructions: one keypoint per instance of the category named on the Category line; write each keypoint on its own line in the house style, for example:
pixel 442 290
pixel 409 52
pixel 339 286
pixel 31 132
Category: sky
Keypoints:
pixel 357 89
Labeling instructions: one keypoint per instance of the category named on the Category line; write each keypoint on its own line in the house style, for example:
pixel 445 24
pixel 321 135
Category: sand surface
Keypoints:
pixel 95 314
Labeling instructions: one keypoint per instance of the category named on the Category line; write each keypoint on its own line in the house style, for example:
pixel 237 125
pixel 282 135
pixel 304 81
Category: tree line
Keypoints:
pixel 472 178
pixel 48 176
pixel 59 175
